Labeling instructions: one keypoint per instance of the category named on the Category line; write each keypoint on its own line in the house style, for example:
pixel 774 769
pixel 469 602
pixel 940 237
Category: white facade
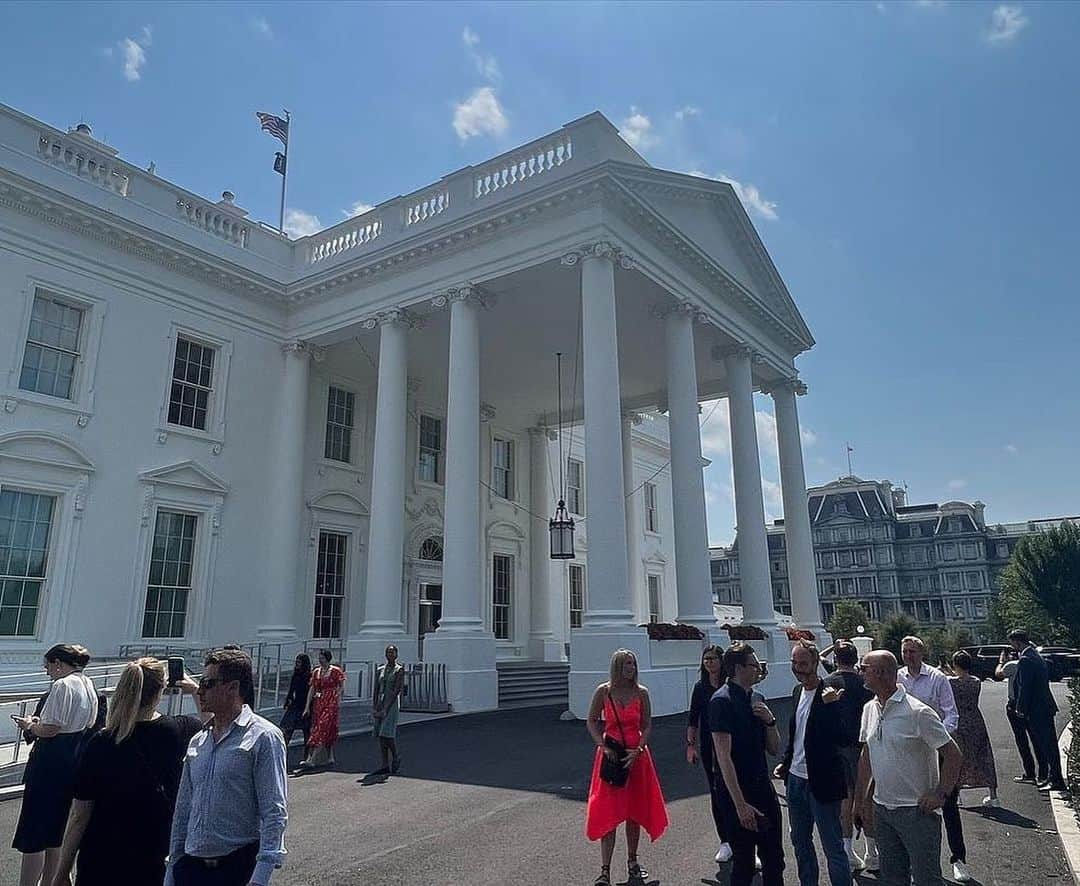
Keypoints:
pixel 209 433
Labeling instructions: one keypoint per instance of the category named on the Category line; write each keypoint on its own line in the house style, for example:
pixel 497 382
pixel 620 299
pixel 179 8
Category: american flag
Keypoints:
pixel 277 127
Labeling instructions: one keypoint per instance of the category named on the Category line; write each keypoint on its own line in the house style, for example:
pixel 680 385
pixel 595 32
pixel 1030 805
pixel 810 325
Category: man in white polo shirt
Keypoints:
pixel 902 739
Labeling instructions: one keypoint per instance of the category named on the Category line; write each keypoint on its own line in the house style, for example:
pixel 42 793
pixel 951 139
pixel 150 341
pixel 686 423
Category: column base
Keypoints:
pixel 545 647
pixel 472 683
pixel 371 645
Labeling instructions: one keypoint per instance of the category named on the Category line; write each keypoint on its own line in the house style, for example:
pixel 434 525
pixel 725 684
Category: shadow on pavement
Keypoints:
pixel 1005 816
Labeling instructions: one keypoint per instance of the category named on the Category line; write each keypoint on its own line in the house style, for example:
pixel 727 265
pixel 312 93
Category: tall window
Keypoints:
pixel 170 574
pixel 575 487
pixel 652 519
pixel 339 425
pixel 330 584
pixel 577 594
pixel 502 467
pixel 431 456
pixel 654 598
pixel 192 384
pixel 25 520
pixel 52 348
pixel 501 575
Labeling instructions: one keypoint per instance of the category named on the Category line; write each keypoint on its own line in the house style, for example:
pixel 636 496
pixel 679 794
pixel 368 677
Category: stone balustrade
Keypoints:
pixel 536 160
pixel 357 232
pixel 84 162
pixel 213 220
pixel 428 206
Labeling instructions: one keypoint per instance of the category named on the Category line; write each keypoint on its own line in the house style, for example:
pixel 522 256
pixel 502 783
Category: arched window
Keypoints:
pixel 431 549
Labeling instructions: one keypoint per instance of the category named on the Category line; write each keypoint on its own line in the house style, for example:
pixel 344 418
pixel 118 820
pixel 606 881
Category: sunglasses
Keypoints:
pixel 210 682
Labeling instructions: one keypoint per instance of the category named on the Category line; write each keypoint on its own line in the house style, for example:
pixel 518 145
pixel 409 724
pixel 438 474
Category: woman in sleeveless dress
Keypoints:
pixel 324 707
pixel 978 769
pixel 385 705
pixel 620 710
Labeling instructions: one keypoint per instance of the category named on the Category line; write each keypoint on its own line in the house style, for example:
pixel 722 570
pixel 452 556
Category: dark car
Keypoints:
pixel 986 658
pixel 1061 661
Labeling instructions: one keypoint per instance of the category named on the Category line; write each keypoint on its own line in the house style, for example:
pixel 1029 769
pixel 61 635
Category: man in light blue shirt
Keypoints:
pixel 229 824
pixel 931 687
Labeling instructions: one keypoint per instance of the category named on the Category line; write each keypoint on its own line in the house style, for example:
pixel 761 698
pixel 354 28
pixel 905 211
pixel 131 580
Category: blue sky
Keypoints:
pixel 911 167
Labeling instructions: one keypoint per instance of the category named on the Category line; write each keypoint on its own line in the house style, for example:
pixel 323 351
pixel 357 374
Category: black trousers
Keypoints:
pixel 234 869
pixel 717 792
pixel 954 829
pixel 1044 737
pixel 1021 736
pixel 768 840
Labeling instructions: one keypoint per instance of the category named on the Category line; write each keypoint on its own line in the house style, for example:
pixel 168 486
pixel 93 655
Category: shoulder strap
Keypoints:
pixel 618 722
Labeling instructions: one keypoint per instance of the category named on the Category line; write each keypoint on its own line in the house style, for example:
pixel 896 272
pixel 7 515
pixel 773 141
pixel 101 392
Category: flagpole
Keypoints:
pixel 285 176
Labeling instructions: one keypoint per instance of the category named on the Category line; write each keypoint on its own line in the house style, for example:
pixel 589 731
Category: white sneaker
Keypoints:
pixel 757 862
pixel 724 853
pixel 991 802
pixel 960 872
pixel 872 862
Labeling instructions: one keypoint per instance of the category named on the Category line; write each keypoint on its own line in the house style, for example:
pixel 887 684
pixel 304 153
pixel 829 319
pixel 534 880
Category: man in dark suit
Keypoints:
pixel 814 769
pixel 1036 707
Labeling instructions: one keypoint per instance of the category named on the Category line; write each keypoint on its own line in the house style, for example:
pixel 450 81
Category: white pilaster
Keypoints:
pixel 285 518
pixel 754 579
pixel 382 623
pixel 639 595
pixel 543 644
pixel 608 621
pixel 687 474
pixel 802 577
pixel 462 641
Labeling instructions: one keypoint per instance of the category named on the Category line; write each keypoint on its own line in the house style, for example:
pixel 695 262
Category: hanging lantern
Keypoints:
pixel 562 534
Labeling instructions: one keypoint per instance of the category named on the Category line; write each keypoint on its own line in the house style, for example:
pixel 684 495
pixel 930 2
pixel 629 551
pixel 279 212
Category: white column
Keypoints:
pixel 687 473
pixel 639 596
pixel 544 645
pixel 608 604
pixel 461 641
pixel 382 621
pixel 802 577
pixel 286 493
pixel 754 579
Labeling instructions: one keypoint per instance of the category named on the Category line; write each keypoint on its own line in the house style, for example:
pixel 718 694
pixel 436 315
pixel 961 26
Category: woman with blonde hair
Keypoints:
pixel 70 709
pixel 126 784
pixel 624 786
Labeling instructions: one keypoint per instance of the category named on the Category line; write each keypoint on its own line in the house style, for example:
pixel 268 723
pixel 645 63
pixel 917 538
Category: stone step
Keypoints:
pixel 525 684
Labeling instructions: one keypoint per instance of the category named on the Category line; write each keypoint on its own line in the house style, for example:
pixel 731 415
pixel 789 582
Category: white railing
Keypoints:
pixel 213 220
pixel 540 159
pixel 343 240
pixel 428 206
pixel 80 160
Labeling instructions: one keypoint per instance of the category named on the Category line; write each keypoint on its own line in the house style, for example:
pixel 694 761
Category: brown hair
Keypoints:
pixel 233 664
pixel 71 654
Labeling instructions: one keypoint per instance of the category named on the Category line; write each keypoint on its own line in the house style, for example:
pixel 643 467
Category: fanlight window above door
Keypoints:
pixel 432 549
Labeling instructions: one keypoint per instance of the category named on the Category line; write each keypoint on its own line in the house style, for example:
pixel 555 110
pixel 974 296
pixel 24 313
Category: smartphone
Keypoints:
pixel 176 669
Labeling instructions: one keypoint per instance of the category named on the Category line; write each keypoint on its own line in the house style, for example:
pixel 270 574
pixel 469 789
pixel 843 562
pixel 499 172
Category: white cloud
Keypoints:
pixel 262 27
pixel 930 4
pixel 1005 23
pixel 301 224
pixel 1011 448
pixel 751 197
pixel 809 438
pixel 486 65
pixel 480 114
pixel 358 208
pixel 687 111
pixel 636 130
pixel 956 485
pixel 133 52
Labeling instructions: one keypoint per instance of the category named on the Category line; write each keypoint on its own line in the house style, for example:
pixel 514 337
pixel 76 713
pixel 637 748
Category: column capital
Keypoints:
pixel 794 384
pixel 738 349
pixel 465 292
pixel 599 249
pixel 487 412
pixel 402 316
pixel 632 417
pixel 298 346
pixel 680 309
pixel 543 431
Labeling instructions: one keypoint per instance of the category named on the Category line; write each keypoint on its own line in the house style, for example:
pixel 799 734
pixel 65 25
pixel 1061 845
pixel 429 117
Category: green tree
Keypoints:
pixel 941 643
pixel 893 629
pixel 1046 566
pixel 1015 607
pixel 847 617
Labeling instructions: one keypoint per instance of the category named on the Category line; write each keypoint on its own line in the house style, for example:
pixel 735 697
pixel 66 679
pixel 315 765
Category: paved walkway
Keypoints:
pixel 499 798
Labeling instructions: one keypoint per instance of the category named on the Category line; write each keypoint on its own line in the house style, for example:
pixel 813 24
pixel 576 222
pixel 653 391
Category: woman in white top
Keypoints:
pixel 49 779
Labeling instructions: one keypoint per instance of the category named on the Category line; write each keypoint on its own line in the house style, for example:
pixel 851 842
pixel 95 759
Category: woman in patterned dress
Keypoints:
pixel 978 769
pixel 324 707
pixel 385 705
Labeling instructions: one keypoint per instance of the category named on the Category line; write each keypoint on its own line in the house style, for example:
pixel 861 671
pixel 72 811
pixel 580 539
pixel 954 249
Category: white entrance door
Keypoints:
pixel 430 611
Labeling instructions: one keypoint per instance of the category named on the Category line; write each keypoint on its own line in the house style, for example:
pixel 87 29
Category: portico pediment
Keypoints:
pixel 44 449
pixel 187 475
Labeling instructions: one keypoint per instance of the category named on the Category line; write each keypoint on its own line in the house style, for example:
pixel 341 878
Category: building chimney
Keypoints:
pixel 899 497
pixel 980 514
pixel 887 497
pixel 84 129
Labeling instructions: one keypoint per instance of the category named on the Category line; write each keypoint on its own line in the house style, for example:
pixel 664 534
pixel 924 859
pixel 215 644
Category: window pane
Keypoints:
pixel 169 581
pixel 330 584
pixel 24 534
pixel 189 395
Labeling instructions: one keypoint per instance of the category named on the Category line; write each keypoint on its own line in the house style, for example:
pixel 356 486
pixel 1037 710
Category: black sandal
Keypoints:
pixel 605 876
pixel 634 871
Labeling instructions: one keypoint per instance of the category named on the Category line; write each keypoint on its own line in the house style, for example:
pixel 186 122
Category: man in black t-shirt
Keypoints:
pixel 849 708
pixel 743 730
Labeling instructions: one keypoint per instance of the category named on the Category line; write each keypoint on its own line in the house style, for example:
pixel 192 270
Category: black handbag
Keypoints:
pixel 615 772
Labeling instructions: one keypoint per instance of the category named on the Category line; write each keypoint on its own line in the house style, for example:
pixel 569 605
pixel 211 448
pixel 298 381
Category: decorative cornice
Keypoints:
pixel 598 249
pixel 401 316
pixel 487 412
pixel 720 353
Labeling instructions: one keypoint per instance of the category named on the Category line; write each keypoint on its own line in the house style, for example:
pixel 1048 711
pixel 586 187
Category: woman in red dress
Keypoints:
pixel 623 705
pixel 324 699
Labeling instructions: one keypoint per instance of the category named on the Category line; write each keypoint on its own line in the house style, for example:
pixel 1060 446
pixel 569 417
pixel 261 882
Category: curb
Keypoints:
pixel 1065 817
